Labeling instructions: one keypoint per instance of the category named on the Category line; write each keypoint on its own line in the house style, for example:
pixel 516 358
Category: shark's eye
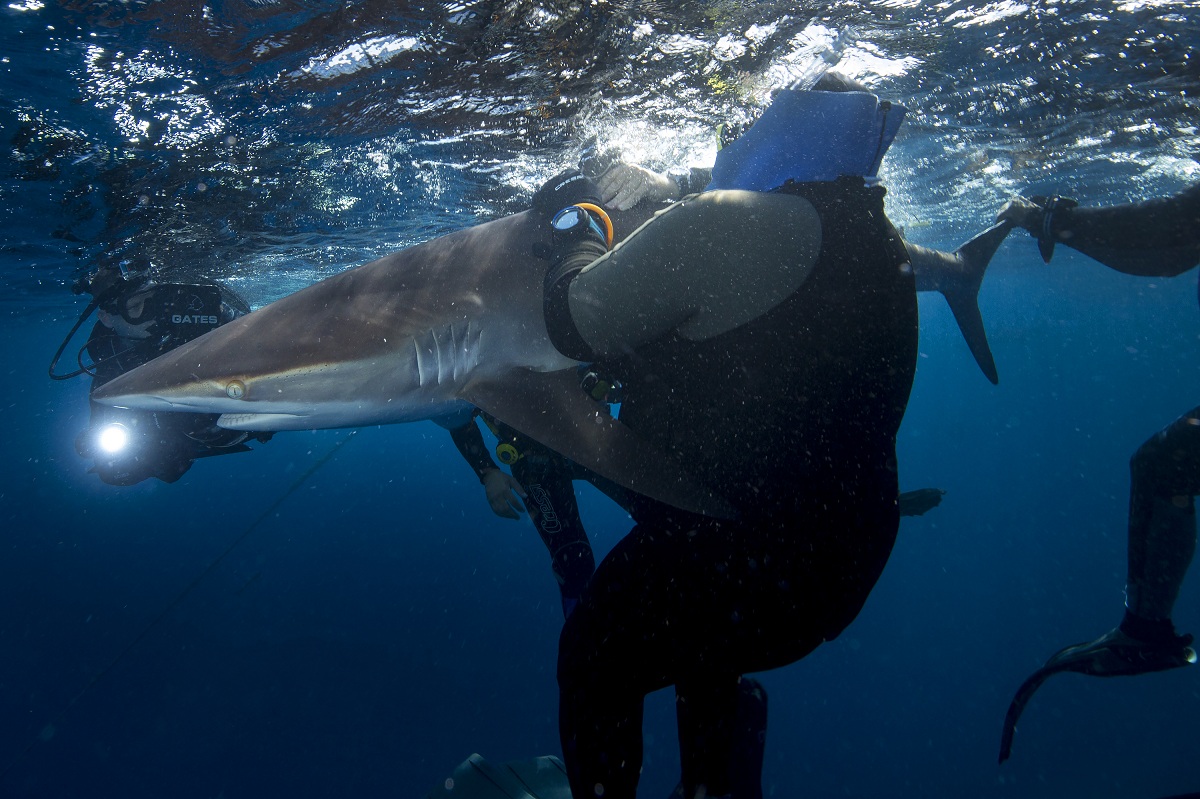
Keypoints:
pixel 235 389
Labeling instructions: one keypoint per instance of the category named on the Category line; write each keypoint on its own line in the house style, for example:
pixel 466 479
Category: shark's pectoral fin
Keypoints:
pixel 552 409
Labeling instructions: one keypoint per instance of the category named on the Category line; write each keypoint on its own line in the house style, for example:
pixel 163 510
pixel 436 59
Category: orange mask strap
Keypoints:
pixel 600 212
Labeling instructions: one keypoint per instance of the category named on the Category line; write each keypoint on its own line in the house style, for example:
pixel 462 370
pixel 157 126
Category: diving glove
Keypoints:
pixel 1041 216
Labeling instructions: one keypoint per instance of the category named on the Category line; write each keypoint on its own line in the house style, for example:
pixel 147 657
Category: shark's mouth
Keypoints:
pixel 265 422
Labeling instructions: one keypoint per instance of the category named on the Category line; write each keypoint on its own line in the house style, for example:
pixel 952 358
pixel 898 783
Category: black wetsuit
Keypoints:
pixel 546 477
pixel 1153 238
pixel 792 417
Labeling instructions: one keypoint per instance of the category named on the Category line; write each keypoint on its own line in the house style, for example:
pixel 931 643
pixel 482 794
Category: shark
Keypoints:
pixel 425 332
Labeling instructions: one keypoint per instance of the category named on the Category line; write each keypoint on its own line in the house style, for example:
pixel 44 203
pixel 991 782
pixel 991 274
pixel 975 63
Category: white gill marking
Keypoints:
pixel 439 344
pixel 466 350
pixel 447 354
pixel 422 365
pixel 454 352
pixel 473 348
pixel 461 344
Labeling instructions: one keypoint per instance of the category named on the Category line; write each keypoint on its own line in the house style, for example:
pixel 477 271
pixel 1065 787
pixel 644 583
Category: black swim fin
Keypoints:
pixel 1017 706
pixel 958 276
pixel 1114 654
pixel 475 778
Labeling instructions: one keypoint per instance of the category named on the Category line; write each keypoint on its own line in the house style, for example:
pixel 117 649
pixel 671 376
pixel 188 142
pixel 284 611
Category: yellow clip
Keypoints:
pixel 507 454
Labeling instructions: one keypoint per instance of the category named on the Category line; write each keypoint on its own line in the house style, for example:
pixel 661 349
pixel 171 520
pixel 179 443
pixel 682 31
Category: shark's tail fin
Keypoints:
pixel 958 276
pixel 963 298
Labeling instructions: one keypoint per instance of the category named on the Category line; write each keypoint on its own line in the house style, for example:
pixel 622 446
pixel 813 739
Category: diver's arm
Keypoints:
pixel 503 491
pixel 469 443
pixel 624 186
pixel 1153 238
pixel 704 266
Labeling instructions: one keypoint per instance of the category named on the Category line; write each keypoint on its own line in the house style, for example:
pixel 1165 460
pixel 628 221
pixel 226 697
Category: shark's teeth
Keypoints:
pixel 262 421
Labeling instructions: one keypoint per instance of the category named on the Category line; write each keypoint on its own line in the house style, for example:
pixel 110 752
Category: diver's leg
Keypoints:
pixel 722 735
pixel 1165 477
pixel 749 742
pixel 706 710
pixel 550 500
pixel 602 685
pixel 698 602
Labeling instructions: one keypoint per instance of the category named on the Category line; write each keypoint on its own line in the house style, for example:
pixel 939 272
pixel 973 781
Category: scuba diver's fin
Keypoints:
pixel 958 276
pixel 1114 654
pixel 1017 707
pixel 552 409
pixel 475 778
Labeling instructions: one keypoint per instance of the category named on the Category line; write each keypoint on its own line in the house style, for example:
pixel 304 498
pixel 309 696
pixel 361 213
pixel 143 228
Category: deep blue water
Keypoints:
pixel 374 623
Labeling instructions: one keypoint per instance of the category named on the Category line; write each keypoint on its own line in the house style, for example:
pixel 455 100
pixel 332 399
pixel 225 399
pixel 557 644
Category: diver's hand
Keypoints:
pixel 1024 213
pixel 504 494
pixel 1044 217
pixel 1116 653
pixel 624 185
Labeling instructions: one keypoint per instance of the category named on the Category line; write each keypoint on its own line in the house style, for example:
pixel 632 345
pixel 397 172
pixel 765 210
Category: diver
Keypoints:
pixel 783 396
pixel 957 276
pixel 540 484
pixel 138 320
pixel 1153 238
pixel 553 509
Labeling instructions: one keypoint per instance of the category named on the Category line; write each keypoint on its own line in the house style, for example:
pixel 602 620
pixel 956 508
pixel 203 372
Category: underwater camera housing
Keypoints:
pixel 129 446
pixel 180 311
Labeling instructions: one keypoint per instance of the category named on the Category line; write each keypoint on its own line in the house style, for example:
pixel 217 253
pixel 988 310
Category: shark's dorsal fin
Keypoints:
pixel 552 409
